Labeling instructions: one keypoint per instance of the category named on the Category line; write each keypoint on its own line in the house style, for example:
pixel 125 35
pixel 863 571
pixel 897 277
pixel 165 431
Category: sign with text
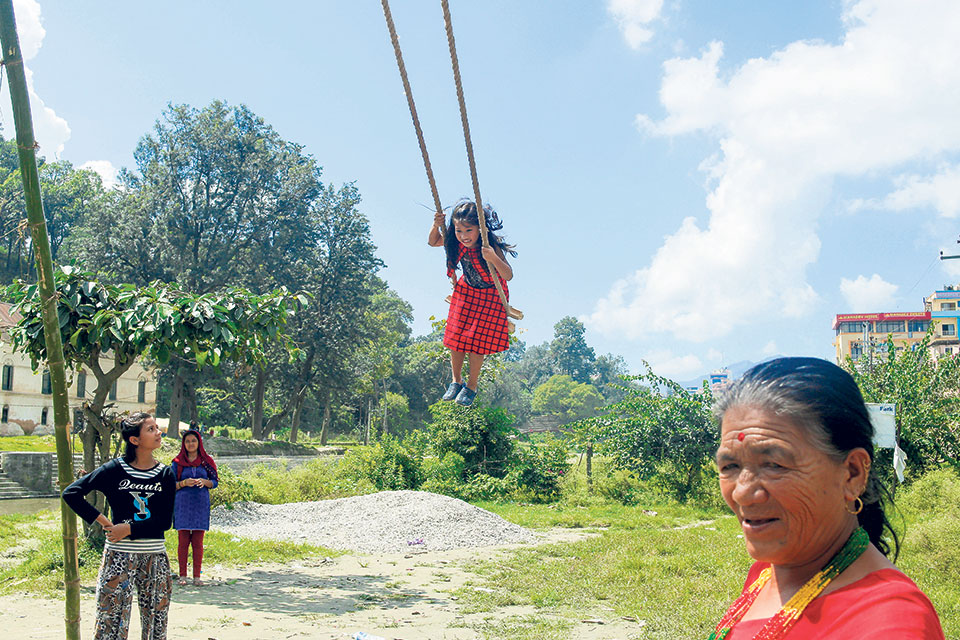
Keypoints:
pixel 884 419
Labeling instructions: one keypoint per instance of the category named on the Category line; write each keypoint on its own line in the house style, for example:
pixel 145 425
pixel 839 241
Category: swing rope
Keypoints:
pixel 395 40
pixel 494 274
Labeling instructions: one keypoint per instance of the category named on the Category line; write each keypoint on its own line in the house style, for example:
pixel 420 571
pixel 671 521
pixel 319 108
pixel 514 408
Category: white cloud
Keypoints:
pixel 769 349
pixel 871 295
pixel 786 126
pixel 665 363
pixel 51 131
pixel 940 191
pixel 714 355
pixel 108 172
pixel 634 17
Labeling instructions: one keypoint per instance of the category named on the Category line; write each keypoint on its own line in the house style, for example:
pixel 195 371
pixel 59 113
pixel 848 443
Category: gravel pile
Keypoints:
pixel 390 521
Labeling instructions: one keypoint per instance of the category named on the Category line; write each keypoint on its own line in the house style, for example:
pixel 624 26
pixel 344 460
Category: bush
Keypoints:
pixel 482 437
pixel 484 487
pixel 539 469
pixel 387 465
pixel 276 484
pixel 621 486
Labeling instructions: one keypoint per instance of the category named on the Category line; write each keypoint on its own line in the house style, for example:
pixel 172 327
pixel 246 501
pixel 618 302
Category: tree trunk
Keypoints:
pixel 256 416
pixel 26 149
pixel 325 428
pixel 295 421
pixel 366 431
pixel 176 403
pixel 384 406
pixel 590 468
pixel 190 398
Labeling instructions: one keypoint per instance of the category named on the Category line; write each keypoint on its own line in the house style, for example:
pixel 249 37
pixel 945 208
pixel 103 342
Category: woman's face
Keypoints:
pixel 150 436
pixel 788 496
pixel 190 443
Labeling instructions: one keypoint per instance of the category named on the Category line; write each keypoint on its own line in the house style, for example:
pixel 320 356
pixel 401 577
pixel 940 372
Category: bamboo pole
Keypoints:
pixel 26 146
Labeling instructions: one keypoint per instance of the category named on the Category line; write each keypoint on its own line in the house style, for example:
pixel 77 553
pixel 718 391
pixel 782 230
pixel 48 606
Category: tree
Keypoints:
pixel 68 196
pixel 112 325
pixel 570 352
pixel 927 395
pixel 609 378
pixel 217 198
pixel 562 396
pixel 659 430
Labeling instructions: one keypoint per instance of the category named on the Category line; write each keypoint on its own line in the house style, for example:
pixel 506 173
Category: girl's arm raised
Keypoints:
pixel 499 261
pixel 435 239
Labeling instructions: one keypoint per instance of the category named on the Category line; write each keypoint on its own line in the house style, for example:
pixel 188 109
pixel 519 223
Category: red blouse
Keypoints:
pixel 882 604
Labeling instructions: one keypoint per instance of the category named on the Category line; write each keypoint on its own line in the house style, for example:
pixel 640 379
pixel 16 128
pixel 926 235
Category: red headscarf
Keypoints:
pixel 202 459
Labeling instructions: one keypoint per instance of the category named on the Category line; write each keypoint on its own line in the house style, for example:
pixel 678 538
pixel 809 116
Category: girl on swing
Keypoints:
pixel 477 321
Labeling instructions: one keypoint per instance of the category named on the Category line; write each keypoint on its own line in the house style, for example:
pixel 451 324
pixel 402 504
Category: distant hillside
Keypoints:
pixel 737 369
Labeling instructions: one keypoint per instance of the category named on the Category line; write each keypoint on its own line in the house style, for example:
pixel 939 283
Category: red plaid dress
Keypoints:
pixel 477 321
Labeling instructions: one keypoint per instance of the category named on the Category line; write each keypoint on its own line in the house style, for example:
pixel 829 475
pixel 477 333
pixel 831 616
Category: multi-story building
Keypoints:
pixel 856 331
pixel 26 398
pixel 942 307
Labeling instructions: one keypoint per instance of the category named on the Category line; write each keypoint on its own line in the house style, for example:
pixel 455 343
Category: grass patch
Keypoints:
pixel 680 578
pixel 35 443
pixel 38 566
pixel 522 628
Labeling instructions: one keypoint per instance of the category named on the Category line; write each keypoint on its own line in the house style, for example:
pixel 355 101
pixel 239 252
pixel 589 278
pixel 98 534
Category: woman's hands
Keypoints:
pixel 117 532
pixel 194 482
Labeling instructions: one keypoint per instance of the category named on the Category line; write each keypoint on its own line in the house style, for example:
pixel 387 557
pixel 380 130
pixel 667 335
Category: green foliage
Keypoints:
pixel 482 436
pixel 562 396
pixel 927 395
pixel 277 483
pixel 396 408
pixel 387 465
pixel 571 354
pixel 156 321
pixel 659 431
pixel 539 469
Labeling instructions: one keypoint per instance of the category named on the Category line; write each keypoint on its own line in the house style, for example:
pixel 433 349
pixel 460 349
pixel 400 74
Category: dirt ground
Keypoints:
pixel 400 596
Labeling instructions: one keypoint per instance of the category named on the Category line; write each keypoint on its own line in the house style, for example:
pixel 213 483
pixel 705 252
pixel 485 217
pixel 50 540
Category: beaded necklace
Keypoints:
pixel 780 624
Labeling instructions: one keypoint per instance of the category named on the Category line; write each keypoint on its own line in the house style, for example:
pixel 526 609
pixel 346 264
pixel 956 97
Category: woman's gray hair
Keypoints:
pixel 823 399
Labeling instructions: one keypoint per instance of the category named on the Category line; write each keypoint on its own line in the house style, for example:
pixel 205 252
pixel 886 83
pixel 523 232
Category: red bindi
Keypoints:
pixel 741 436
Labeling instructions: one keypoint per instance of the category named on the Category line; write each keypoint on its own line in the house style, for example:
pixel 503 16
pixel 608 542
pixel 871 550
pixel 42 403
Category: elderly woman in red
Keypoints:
pixel 795 460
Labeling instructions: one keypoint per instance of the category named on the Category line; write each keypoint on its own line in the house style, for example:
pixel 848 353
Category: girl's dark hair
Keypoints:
pixel 824 399
pixel 466 211
pixel 130 427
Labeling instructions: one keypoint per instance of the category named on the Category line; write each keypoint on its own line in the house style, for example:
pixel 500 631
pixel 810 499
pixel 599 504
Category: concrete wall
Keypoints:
pixel 32 470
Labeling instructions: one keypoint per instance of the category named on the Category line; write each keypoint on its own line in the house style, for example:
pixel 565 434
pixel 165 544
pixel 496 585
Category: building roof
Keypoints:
pixel 7 317
pixel 879 317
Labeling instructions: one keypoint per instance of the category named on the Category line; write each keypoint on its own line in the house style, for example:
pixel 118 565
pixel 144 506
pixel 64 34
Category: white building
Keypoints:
pixel 26 400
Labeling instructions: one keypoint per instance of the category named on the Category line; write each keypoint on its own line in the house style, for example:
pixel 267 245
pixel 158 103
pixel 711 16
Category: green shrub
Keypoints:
pixel 484 487
pixel 482 436
pixel 539 469
pixel 387 465
pixel 231 488
pixel 621 486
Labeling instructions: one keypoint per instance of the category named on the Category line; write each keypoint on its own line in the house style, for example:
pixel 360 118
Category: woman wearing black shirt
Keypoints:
pixel 140 492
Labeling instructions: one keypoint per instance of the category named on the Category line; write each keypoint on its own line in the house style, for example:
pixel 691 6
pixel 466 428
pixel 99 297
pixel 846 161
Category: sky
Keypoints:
pixel 699 182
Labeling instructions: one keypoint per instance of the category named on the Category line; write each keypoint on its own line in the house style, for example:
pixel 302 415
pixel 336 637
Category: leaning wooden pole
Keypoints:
pixel 26 146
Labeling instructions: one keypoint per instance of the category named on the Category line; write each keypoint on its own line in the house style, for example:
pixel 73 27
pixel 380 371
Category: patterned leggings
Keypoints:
pixel 120 572
pixel 187 539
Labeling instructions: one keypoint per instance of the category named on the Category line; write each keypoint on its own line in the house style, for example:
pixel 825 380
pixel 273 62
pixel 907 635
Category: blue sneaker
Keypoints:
pixel 452 391
pixel 466 396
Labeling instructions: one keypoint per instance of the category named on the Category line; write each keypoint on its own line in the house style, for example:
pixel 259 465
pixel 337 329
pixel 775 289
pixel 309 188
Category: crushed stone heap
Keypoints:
pixel 386 522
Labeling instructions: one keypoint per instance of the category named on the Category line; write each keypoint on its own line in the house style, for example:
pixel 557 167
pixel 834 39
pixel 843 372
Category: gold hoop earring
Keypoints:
pixel 859 509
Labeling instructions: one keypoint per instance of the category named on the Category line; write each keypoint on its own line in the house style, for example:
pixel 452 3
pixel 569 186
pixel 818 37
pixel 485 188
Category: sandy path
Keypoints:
pixel 397 596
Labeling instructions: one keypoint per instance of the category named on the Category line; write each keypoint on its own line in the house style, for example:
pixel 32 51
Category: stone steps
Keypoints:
pixel 11 490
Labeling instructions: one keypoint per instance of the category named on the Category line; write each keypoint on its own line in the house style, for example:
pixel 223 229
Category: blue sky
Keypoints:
pixel 699 182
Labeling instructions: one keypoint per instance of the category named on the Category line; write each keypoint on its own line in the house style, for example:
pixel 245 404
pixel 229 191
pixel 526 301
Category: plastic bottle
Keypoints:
pixel 363 635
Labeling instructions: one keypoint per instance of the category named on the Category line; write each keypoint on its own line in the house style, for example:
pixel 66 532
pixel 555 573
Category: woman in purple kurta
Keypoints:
pixel 196 474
